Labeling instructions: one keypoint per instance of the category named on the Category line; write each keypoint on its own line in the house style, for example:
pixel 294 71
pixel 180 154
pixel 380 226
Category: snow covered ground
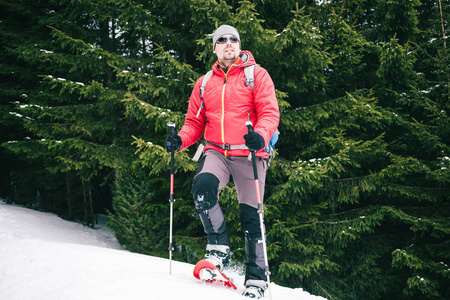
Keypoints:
pixel 45 257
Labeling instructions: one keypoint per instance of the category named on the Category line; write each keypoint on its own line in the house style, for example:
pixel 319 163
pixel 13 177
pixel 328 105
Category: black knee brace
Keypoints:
pixel 205 190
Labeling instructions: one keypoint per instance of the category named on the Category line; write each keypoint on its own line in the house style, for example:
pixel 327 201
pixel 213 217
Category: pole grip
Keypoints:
pixel 173 131
pixel 249 125
pixel 172 127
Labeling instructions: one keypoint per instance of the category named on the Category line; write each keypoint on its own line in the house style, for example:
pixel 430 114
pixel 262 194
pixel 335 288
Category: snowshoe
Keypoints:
pixel 209 273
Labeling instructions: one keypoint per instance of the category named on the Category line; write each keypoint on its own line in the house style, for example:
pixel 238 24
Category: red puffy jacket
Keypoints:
pixel 227 101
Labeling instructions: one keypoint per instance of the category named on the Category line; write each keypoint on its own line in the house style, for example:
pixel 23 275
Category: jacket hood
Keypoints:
pixel 247 59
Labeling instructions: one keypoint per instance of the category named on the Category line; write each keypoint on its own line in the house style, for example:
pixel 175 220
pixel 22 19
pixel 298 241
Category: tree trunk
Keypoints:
pixel 91 207
pixel 69 194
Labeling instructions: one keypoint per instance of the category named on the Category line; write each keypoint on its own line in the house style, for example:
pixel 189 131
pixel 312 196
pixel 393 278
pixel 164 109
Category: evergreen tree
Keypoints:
pixel 19 26
pixel 138 221
pixel 76 112
pixel 347 215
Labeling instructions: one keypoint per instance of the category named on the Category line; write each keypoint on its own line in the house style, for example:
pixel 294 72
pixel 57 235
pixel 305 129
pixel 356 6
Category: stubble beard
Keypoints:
pixel 229 58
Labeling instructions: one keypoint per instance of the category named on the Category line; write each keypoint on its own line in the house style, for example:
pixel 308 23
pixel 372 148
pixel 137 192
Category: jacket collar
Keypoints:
pixel 225 69
pixel 245 59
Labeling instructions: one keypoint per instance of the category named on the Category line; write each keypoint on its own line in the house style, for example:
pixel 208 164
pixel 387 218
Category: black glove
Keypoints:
pixel 173 143
pixel 254 141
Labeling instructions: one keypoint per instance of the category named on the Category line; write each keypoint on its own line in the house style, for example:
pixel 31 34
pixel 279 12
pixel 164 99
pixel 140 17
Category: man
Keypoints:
pixel 228 102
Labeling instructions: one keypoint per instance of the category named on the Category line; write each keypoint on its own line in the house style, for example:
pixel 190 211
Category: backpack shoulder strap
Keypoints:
pixel 250 75
pixel 204 81
pixel 202 89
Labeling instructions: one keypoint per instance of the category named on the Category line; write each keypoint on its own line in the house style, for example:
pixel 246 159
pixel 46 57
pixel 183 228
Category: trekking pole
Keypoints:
pixel 173 131
pixel 249 125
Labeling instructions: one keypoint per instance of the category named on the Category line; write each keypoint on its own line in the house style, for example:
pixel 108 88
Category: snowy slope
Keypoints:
pixel 45 257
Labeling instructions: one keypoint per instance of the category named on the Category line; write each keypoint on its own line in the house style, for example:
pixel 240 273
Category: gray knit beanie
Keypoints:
pixel 225 29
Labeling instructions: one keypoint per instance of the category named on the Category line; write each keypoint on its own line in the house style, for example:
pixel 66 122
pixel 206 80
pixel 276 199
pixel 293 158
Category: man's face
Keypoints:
pixel 227 49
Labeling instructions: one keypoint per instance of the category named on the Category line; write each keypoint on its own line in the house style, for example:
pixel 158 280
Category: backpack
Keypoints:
pixel 250 76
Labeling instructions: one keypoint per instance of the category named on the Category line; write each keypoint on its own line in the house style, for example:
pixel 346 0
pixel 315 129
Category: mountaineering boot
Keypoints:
pixel 254 292
pixel 219 255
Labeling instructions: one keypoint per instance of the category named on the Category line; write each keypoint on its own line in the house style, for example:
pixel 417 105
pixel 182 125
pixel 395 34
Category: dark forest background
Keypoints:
pixel 357 198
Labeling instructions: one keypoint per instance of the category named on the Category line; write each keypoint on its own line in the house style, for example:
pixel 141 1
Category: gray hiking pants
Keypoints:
pixel 213 173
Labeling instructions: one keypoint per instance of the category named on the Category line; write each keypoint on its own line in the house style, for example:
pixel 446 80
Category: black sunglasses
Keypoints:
pixel 224 39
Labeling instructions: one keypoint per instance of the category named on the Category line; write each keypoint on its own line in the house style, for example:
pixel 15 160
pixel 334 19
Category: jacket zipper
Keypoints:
pixel 223 106
pixel 222 121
